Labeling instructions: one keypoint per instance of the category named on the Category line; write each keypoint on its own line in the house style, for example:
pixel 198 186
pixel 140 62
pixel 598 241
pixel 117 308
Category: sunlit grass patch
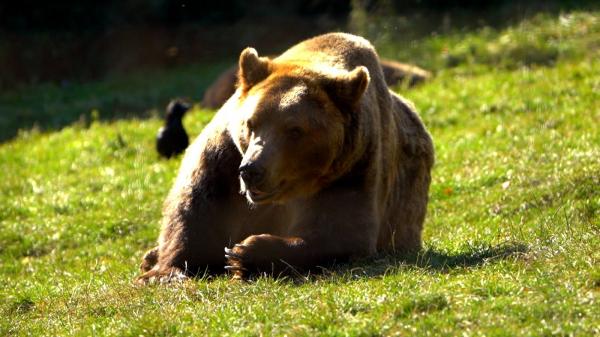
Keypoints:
pixel 512 236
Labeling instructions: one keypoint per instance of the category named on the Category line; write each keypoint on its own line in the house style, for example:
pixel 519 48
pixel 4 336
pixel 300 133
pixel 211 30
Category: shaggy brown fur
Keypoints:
pixel 394 72
pixel 331 164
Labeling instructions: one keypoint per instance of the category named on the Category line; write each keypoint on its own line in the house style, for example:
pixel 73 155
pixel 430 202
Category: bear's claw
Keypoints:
pixel 234 260
pixel 230 254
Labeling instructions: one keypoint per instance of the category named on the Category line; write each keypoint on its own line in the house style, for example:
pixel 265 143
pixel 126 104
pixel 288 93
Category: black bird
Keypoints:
pixel 172 138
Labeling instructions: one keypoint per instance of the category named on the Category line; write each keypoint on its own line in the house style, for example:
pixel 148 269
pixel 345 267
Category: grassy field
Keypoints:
pixel 512 238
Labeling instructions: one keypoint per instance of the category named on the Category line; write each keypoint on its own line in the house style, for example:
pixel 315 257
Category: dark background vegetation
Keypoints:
pixel 60 60
pixel 82 40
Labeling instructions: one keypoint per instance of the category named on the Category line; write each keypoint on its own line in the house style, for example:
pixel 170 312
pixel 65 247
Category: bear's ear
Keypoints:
pixel 347 89
pixel 253 69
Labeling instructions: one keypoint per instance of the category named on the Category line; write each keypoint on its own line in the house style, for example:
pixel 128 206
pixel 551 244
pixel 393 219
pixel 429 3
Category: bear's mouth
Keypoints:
pixel 258 196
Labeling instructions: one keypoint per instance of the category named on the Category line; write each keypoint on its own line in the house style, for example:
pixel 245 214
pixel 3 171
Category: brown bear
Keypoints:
pixel 312 160
pixel 394 73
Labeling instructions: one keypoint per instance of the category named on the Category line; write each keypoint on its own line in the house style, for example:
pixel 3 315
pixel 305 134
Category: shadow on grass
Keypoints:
pixel 436 260
pixel 429 259
pixel 386 263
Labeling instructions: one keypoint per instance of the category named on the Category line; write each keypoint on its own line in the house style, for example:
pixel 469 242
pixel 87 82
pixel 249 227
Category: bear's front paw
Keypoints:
pixel 238 259
pixel 257 253
pixel 265 253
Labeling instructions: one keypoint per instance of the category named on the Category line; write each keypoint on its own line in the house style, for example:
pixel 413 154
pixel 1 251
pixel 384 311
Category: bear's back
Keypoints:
pixel 334 51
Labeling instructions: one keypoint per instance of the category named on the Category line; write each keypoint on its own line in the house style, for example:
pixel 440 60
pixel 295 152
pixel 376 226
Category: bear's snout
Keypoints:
pixel 252 174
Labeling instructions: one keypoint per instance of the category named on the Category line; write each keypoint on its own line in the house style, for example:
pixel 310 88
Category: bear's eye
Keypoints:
pixel 295 133
pixel 249 124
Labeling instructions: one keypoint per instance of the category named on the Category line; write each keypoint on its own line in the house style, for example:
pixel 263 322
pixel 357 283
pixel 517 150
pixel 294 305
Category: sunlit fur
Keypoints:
pixel 297 165
pixel 346 168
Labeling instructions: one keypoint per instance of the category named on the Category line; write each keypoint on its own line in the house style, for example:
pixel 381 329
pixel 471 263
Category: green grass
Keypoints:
pixel 540 40
pixel 512 237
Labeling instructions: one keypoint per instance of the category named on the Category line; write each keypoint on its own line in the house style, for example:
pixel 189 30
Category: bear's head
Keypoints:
pixel 291 125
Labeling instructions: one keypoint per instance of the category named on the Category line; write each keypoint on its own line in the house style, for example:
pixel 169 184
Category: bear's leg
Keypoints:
pixel 266 253
pixel 407 236
pixel 410 211
pixel 202 212
pixel 277 255
pixel 332 227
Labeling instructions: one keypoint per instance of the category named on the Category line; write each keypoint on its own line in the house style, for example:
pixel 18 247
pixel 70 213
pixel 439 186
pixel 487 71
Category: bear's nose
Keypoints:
pixel 252 174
